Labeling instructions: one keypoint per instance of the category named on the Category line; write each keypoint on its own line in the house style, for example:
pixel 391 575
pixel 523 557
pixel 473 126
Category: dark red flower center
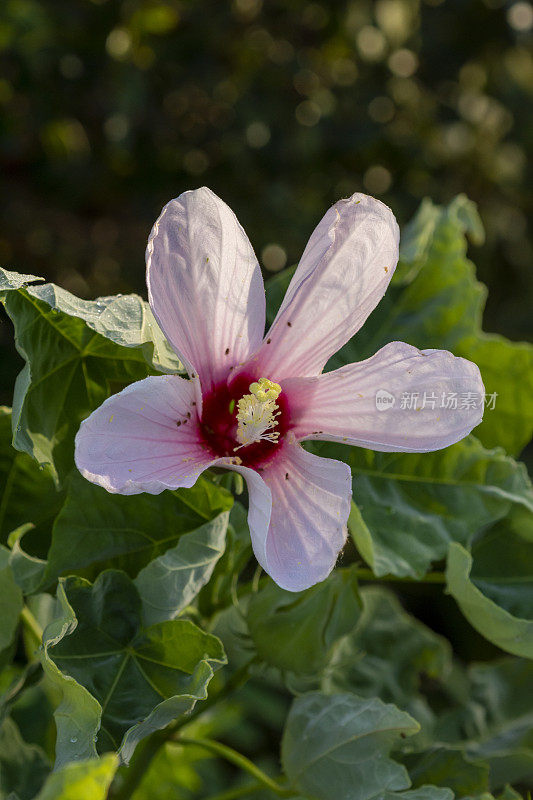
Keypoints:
pixel 219 423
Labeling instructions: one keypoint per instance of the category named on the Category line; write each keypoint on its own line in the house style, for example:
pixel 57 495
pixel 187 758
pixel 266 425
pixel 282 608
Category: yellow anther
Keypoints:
pixel 265 390
pixel 257 412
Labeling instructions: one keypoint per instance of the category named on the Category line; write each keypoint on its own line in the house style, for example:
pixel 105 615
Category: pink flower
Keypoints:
pixel 251 399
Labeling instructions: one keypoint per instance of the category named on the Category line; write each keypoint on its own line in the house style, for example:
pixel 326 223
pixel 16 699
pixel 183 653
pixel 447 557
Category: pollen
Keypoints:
pixel 257 413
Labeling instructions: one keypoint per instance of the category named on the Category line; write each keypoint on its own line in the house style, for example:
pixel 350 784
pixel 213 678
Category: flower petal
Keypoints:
pixel 307 502
pixel 205 285
pixel 367 404
pixel 343 274
pixel 259 507
pixel 144 439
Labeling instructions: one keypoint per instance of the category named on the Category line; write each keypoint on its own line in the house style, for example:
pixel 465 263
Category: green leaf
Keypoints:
pixel 423 793
pixel 15 280
pixel 101 529
pixel 295 631
pixel 412 506
pixel 23 767
pixel 495 594
pixel 69 371
pixel 169 583
pixel 218 593
pixel 10 600
pixel 338 746
pixel 138 679
pixel 126 320
pixel 78 715
pixel 449 767
pixel 387 655
pixel 28 492
pixel 417 237
pixel 88 780
pixel 28 570
pixel 503 563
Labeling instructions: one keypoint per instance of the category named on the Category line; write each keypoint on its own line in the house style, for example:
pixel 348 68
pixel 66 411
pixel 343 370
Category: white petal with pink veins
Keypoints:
pixel 144 439
pixel 297 540
pixel 343 274
pixel 259 508
pixel 368 403
pixel 205 285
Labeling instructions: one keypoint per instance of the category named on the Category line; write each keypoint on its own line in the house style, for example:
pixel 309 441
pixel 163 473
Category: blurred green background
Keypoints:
pixel 108 109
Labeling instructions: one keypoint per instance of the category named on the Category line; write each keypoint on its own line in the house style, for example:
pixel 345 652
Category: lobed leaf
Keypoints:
pixel 338 746
pixel 126 320
pixel 69 371
pixel 138 679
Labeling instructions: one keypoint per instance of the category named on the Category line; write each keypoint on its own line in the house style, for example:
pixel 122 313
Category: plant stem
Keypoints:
pixel 149 748
pixel 233 756
pixel 366 574
pixel 256 578
pixel 31 624
pixel 238 791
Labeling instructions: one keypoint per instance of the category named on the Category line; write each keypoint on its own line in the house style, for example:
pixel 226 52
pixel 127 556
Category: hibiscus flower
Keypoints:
pixel 250 399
